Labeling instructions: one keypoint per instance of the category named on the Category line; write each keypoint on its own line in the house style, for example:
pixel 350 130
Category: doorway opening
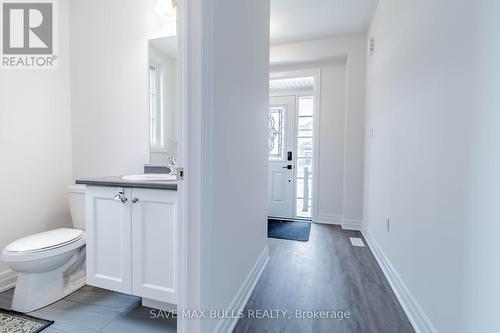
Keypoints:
pixel 292 105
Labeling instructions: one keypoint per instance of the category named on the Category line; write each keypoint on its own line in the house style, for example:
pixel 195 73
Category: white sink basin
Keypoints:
pixel 151 177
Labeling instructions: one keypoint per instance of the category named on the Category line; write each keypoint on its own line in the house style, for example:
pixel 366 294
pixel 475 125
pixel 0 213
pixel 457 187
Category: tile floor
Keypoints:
pixel 91 310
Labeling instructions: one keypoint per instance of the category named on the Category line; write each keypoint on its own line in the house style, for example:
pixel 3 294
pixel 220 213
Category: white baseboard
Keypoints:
pixel 158 305
pixel 419 320
pixel 7 280
pixel 346 224
pixel 328 219
pixel 351 224
pixel 226 325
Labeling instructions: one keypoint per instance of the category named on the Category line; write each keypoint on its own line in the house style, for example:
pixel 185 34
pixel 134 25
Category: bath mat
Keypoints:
pixel 290 230
pixel 11 321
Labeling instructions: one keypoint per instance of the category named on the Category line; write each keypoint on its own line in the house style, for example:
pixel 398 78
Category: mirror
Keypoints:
pixel 163 100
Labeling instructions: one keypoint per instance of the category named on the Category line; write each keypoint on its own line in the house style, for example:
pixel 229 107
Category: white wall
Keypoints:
pixel 332 142
pixel 227 144
pixel 342 62
pixel 433 163
pixel 109 82
pixel 35 143
pixel 482 248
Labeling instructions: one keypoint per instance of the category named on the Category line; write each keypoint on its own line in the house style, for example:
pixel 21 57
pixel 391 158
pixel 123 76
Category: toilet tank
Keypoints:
pixel 76 194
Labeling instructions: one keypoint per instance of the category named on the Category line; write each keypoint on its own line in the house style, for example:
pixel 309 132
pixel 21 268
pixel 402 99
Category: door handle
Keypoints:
pixel 289 167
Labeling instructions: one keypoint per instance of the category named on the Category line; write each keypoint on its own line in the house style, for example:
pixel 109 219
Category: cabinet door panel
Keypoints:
pixel 154 228
pixel 108 223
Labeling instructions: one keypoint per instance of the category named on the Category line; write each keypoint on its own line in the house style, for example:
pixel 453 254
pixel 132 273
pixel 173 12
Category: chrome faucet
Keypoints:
pixel 171 164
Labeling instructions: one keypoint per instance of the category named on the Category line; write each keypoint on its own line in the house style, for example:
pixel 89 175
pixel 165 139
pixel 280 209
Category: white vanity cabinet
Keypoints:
pixel 131 241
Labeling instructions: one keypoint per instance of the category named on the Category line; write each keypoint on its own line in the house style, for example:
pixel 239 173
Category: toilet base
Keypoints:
pixel 37 290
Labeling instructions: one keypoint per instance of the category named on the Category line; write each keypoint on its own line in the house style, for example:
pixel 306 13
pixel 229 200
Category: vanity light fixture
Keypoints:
pixel 166 8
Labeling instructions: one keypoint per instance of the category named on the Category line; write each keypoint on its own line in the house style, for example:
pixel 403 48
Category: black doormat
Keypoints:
pixel 291 230
pixel 12 321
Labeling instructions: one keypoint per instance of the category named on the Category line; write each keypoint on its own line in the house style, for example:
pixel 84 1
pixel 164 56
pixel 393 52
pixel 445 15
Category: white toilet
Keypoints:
pixel 49 265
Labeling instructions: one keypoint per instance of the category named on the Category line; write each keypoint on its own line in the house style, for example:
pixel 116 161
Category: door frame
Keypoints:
pixel 195 77
pixel 188 231
pixel 316 93
pixel 183 259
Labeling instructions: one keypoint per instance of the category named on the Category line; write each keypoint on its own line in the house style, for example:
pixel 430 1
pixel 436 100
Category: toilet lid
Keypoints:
pixel 45 240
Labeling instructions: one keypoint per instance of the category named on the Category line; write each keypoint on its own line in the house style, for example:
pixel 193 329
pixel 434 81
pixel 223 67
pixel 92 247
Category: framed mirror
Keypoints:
pixel 163 101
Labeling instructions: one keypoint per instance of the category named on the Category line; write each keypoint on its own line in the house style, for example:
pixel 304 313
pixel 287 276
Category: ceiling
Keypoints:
pixel 300 20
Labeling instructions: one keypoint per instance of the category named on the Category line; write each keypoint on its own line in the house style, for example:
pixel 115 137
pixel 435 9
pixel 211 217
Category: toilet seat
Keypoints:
pixel 44 245
pixel 46 240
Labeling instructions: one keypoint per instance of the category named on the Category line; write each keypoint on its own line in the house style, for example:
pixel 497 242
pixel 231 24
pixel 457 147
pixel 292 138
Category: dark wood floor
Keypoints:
pixel 327 273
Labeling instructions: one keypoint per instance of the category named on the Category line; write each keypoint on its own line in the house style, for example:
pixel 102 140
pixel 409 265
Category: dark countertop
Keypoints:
pixel 120 182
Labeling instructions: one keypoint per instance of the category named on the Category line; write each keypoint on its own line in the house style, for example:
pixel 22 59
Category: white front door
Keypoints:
pixel 281 180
